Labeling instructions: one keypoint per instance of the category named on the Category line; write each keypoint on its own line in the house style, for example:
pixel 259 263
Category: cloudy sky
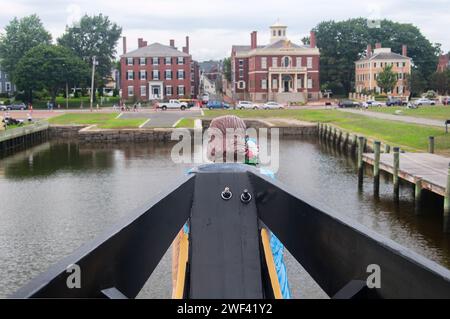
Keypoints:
pixel 215 25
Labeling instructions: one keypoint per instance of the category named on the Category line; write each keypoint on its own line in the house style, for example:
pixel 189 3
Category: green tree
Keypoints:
pixel 342 43
pixel 440 82
pixel 227 68
pixel 415 83
pixel 21 36
pixel 49 67
pixel 93 36
pixel 387 79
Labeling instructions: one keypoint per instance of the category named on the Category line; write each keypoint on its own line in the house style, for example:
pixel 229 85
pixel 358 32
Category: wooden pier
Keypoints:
pixel 25 135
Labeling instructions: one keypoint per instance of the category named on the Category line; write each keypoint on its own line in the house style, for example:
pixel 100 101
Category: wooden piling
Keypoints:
pixel 360 160
pixel 418 192
pixel 431 144
pixel 387 148
pixel 396 180
pixel 447 195
pixel 376 167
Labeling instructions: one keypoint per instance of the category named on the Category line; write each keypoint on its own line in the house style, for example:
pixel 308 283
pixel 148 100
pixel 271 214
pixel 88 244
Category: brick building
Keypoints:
pixel 157 72
pixel 369 67
pixel 444 63
pixel 280 71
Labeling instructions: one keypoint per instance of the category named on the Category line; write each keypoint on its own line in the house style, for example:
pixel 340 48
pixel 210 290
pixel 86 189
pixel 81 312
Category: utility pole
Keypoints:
pixel 94 63
pixel 67 94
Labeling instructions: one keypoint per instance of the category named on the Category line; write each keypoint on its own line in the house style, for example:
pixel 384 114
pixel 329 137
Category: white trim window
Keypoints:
pixel 142 75
pixel 155 75
pixel 241 63
pixel 274 62
pixel 129 61
pixel 169 90
pixel 8 87
pixel 180 90
pixel 155 60
pixel 286 61
pixel 309 62
pixel 241 85
pixel 275 83
pixel 180 60
pixel 298 62
pixel 131 90
pixel 142 61
pixel 180 74
pixel 130 75
pixel 310 83
pixel 264 84
pixel 143 90
pixel 241 73
pixel 168 74
pixel 263 62
pixel 168 60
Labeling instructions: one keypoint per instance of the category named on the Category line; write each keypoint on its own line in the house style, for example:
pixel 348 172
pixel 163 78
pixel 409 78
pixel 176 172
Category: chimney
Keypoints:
pixel 378 45
pixel 404 50
pixel 369 50
pixel 253 40
pixel 140 43
pixel 172 43
pixel 124 45
pixel 144 43
pixel 312 39
pixel 187 44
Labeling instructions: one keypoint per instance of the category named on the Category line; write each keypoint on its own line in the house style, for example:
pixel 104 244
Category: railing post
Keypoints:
pixel 431 144
pixel 395 172
pixel 387 148
pixel 418 193
pixel 376 167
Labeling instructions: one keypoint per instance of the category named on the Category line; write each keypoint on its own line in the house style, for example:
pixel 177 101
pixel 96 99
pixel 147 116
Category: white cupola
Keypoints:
pixel 277 32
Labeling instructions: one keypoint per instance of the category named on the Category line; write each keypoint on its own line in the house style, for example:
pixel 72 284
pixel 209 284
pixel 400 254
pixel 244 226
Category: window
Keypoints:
pixel 169 90
pixel 274 33
pixel 130 91
pixel 143 75
pixel 130 75
pixel 241 85
pixel 155 75
pixel 129 61
pixel 286 61
pixel 309 62
pixel 241 73
pixel 168 60
pixel 180 74
pixel 155 61
pixel 279 33
pixel 143 61
pixel 263 63
pixel 168 74
pixel 264 84
pixel 298 62
pixel 180 60
pixel 275 83
pixel 143 90
pixel 310 83
pixel 274 62
pixel 180 90
pixel 241 63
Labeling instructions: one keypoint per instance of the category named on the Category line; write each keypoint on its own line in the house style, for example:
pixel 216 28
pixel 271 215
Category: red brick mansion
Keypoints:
pixel 280 71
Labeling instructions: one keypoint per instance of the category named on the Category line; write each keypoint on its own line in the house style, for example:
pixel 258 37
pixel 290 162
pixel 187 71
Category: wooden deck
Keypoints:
pixel 431 168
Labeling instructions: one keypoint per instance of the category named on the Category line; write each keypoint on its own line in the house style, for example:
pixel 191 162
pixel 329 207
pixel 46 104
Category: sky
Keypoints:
pixel 215 25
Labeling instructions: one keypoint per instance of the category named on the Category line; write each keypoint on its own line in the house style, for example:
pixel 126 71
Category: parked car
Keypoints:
pixel 172 104
pixel 17 106
pixel 348 103
pixel 217 105
pixel 372 103
pixel 424 101
pixel 272 105
pixel 396 102
pixel 246 105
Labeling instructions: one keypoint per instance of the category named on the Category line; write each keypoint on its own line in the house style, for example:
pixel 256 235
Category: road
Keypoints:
pixel 399 118
pixel 162 118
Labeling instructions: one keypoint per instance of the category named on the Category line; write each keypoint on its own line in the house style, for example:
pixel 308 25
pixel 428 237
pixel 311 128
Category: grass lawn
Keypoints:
pixel 431 112
pixel 410 137
pixel 185 123
pixel 102 120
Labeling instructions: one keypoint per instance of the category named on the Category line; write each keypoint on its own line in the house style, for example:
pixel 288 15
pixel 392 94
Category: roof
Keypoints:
pixel 155 50
pixel 278 25
pixel 385 56
pixel 283 44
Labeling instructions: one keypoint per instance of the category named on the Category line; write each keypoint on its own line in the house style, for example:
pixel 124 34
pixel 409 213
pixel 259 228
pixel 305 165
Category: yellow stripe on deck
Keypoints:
pixel 271 264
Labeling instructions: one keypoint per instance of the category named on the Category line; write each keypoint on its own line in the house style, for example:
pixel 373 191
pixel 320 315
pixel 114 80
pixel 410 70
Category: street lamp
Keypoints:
pixel 94 63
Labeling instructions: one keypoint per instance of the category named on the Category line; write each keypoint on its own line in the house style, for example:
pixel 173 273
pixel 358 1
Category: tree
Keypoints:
pixel 415 83
pixel 227 68
pixel 93 36
pixel 342 43
pixel 49 67
pixel 387 79
pixel 440 82
pixel 21 36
